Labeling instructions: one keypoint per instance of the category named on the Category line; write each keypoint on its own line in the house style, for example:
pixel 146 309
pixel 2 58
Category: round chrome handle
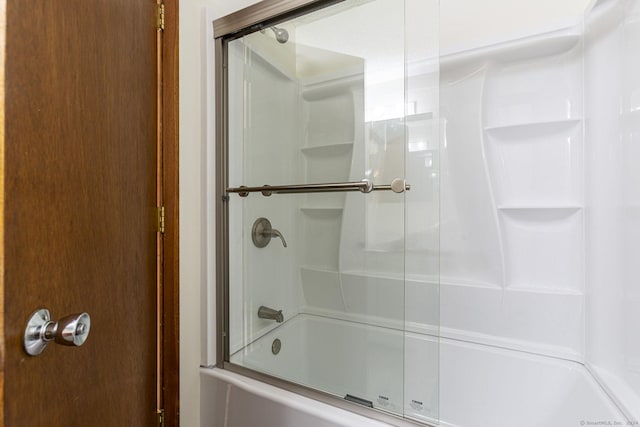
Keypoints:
pixel 399 185
pixel 71 330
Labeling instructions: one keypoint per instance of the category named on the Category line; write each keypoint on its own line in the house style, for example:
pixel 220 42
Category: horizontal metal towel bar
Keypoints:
pixel 365 186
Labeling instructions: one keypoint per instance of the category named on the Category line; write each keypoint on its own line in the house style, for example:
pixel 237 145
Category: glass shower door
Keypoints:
pixel 319 137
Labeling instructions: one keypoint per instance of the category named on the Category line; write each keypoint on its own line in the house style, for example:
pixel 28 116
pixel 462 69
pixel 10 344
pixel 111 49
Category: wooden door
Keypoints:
pixel 79 209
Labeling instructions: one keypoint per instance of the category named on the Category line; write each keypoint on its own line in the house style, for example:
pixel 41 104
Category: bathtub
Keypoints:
pixel 232 400
pixel 457 383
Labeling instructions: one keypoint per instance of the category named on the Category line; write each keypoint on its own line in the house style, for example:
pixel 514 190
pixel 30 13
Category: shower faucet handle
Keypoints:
pixel 262 232
pixel 276 233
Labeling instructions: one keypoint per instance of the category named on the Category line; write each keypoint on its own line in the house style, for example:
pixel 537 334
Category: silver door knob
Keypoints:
pixel 71 330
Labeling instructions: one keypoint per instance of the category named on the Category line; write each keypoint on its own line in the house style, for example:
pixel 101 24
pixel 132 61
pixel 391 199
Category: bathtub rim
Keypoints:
pixel 320 396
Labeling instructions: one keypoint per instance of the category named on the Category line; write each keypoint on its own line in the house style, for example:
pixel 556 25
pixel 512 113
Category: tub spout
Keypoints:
pixel 270 313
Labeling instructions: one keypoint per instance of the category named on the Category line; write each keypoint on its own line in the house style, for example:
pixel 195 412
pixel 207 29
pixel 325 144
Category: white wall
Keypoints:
pixel 192 125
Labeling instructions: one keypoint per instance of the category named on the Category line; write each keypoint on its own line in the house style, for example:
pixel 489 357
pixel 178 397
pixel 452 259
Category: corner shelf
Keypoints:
pixel 543 290
pixel 321 211
pixel 328 149
pixel 331 87
pixel 539 213
pixel 318 269
pixel 533 128
pixel 568 208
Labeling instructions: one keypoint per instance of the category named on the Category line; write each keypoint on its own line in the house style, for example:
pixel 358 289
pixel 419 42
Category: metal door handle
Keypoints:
pixel 71 330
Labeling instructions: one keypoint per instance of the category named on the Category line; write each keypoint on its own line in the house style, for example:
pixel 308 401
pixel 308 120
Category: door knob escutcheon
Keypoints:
pixel 71 330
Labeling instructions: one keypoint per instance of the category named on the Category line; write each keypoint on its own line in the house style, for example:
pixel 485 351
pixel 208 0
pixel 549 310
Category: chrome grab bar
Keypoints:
pixel 398 185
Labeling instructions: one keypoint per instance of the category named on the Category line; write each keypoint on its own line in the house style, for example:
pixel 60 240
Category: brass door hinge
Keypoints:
pixel 161 220
pixel 160 414
pixel 160 20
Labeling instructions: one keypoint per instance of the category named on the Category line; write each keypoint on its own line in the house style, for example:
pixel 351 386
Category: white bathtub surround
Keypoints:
pixel 613 200
pixel 502 291
pixel 511 194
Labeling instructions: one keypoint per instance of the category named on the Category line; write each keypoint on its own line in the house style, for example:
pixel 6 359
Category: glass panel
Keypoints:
pixel 334 96
pixel 422 241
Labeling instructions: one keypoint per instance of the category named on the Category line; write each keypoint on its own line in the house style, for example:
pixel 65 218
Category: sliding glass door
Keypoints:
pixel 331 194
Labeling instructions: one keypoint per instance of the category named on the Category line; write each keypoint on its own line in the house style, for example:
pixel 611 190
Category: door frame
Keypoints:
pixel 169 328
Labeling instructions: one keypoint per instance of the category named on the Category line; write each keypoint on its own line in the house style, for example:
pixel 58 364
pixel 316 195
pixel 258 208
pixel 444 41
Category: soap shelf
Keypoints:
pixel 321 211
pixel 539 207
pixel 328 149
pixel 533 128
pixel 327 89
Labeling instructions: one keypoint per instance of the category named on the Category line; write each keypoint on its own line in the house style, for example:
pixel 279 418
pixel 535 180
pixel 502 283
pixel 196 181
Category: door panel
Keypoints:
pixel 79 212
pixel 321 106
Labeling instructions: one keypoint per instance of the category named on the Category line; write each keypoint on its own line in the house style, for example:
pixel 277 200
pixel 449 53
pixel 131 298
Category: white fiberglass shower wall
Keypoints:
pixel 612 204
pixel 538 248
pixel 502 289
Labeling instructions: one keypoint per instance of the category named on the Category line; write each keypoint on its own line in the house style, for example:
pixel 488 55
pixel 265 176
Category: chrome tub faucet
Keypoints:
pixel 270 313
